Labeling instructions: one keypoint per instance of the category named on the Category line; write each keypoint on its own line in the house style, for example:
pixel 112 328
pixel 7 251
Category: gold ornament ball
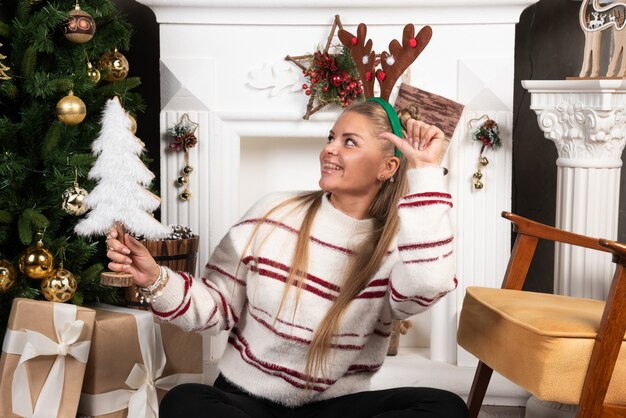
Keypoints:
pixel 188 169
pixel 484 161
pixel 182 180
pixel 8 276
pixel 36 262
pixel 185 195
pixel 93 73
pixel 60 286
pixel 79 26
pixel 71 110
pixel 73 200
pixel 114 65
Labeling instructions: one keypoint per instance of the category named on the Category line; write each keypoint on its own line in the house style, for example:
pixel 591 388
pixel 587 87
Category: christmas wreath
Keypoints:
pixel 489 134
pixel 333 78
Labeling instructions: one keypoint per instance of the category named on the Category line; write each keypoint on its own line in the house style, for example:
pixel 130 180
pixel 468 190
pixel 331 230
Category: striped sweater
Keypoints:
pixel 266 354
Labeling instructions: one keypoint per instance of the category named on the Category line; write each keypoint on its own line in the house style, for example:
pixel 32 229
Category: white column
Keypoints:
pixel 585 119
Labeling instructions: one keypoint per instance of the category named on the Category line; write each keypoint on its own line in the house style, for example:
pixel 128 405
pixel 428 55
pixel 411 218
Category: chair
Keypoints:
pixel 559 348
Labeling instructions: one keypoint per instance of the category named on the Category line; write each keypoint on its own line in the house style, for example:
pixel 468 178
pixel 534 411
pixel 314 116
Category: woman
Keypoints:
pixel 308 283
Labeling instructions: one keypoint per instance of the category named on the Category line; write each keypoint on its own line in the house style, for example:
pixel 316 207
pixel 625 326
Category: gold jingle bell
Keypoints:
pixel 93 74
pixel 478 185
pixel 185 195
pixel 60 286
pixel 71 110
pixel 36 262
pixel 188 169
pixel 73 200
pixel 182 180
pixel 8 276
pixel 114 65
pixel 79 26
pixel 484 161
pixel 478 175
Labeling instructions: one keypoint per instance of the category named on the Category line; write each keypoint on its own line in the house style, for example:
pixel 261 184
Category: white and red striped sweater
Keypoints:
pixel 266 355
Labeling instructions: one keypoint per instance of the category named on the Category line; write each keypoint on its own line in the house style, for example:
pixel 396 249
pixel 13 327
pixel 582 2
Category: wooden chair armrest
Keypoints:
pixel 617 248
pixel 541 231
pixel 528 235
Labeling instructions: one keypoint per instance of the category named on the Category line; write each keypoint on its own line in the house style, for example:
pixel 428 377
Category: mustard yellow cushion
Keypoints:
pixel 539 341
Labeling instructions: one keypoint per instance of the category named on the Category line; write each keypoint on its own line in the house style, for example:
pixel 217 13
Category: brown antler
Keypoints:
pixel 362 54
pixel 400 57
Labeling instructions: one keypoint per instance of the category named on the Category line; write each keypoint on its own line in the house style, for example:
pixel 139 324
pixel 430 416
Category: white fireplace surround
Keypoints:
pixel 222 62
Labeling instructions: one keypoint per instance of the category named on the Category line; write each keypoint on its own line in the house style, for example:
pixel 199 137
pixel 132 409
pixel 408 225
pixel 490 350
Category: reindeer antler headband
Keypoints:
pixel 393 63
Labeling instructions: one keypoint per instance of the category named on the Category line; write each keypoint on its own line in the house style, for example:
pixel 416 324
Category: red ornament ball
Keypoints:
pixel 413 42
pixel 336 80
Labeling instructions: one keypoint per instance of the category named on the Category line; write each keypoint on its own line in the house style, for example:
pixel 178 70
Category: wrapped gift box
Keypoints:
pixel 134 361
pixel 45 349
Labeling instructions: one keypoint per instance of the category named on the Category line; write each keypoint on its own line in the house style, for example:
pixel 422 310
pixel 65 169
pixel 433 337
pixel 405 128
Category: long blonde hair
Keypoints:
pixel 366 259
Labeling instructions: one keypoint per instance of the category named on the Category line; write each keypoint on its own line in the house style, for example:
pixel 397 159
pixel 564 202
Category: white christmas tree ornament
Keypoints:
pixel 121 197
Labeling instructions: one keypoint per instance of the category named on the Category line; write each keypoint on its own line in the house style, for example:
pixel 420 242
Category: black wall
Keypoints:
pixel 549 45
pixel 143 59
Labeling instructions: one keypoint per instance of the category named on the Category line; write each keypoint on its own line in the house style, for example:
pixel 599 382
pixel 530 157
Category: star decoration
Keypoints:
pixel 333 77
pixel 184 134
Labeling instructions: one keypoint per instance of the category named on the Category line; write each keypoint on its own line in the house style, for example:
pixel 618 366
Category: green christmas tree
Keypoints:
pixel 42 157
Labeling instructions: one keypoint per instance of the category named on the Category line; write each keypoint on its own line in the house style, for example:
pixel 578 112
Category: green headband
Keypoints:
pixel 396 127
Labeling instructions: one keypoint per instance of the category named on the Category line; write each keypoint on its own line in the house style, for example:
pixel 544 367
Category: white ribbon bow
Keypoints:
pixel 31 344
pixel 142 401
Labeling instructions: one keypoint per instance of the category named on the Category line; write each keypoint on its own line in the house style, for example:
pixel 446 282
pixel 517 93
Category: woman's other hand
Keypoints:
pixel 424 146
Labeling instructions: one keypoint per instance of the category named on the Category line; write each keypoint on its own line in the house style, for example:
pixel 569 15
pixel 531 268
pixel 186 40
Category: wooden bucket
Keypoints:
pixel 177 254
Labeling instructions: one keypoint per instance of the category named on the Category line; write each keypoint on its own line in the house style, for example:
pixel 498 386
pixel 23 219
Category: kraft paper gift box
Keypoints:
pixel 134 361
pixel 44 353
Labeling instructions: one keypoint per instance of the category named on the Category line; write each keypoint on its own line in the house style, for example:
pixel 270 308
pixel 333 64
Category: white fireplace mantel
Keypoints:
pixel 222 62
pixel 293 12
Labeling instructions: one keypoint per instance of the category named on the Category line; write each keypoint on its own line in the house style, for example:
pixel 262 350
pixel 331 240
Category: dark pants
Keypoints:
pixel 223 400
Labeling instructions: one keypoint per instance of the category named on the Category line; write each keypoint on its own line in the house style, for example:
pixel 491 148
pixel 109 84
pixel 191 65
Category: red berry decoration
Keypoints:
pixel 368 75
pixel 413 42
pixel 336 80
pixel 305 86
pixel 354 40
pixel 380 75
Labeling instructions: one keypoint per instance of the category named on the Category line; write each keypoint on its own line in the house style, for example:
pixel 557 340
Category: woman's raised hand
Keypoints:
pixel 132 258
pixel 425 145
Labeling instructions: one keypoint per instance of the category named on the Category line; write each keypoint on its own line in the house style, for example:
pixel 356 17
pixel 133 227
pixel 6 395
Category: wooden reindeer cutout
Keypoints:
pixel 393 63
pixel 594 19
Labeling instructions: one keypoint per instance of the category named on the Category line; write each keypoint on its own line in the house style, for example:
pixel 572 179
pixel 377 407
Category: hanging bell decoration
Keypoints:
pixel 484 161
pixel 185 195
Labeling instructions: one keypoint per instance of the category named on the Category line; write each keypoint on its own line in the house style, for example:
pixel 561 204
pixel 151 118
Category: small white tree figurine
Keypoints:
pixel 120 198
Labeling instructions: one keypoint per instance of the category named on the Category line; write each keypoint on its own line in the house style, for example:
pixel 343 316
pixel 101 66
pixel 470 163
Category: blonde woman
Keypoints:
pixel 308 283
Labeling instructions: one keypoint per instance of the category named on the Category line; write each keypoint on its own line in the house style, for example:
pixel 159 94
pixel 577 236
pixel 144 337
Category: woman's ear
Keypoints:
pixel 389 167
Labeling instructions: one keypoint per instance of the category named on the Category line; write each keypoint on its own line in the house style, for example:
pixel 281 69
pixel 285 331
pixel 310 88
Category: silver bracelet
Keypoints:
pixel 151 293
